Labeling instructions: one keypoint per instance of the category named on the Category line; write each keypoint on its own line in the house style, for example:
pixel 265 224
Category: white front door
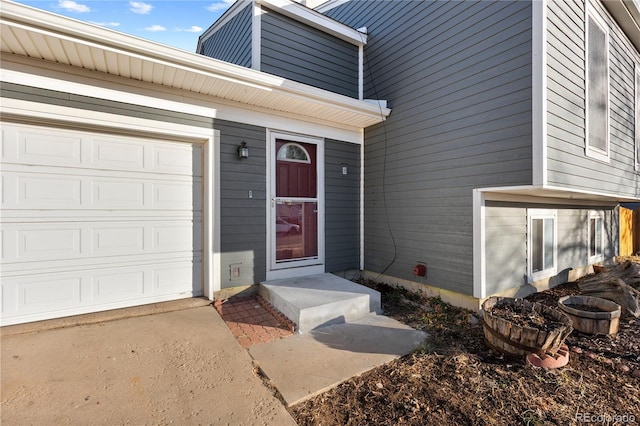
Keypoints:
pixel 296 220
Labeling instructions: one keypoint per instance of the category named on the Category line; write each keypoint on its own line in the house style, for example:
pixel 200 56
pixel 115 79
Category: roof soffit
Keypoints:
pixel 627 14
pixel 34 33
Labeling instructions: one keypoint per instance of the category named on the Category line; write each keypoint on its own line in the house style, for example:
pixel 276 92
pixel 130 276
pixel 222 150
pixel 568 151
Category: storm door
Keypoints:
pixel 295 205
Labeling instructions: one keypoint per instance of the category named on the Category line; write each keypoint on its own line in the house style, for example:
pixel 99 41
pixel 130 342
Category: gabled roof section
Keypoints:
pixel 627 14
pixel 301 13
pixel 38 34
pixel 296 11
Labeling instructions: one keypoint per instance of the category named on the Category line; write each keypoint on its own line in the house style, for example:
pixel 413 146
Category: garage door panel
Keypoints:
pixel 48 243
pixel 38 191
pixel 41 296
pixel 92 221
pixel 173 278
pixel 57 147
pixel 177 160
pixel 36 148
pixel 33 294
pixel 109 286
pixel 46 191
pixel 174 196
pixel 52 241
pixel 117 155
pixel 117 194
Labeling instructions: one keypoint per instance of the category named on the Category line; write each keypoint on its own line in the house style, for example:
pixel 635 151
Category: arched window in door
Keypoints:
pixel 293 152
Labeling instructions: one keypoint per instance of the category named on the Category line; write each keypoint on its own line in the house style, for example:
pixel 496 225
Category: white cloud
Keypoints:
pixel 219 5
pixel 107 24
pixel 139 7
pixel 156 28
pixel 193 29
pixel 72 6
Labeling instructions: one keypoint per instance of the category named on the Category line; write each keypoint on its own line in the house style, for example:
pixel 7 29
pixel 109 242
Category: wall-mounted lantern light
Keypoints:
pixel 243 150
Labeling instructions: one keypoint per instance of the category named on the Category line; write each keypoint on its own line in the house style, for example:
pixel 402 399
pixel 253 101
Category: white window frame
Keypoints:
pixel 590 151
pixel 541 214
pixel 637 118
pixel 598 256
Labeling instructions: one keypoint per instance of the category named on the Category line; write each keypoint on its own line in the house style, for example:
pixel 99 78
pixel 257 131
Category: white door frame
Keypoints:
pixel 318 267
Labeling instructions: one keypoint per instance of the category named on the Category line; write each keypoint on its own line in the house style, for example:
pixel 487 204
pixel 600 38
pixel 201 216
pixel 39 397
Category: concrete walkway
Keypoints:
pixel 182 367
pixel 306 365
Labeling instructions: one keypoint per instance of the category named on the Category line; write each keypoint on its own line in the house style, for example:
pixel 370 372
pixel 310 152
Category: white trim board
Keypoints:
pixel 81 82
pixel 316 20
pixel 539 92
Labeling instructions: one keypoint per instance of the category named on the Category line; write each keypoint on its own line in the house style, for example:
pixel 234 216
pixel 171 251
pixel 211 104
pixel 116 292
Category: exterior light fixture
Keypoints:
pixel 243 150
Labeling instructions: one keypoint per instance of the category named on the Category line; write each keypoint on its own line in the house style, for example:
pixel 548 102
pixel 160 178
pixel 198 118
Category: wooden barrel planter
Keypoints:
pixel 512 339
pixel 591 315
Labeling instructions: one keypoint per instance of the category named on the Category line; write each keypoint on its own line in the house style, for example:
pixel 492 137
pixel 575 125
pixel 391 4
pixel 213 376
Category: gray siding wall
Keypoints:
pixel 568 165
pixel 342 206
pixel 506 241
pixel 457 76
pixel 300 53
pixel 243 234
pixel 505 247
pixel 232 42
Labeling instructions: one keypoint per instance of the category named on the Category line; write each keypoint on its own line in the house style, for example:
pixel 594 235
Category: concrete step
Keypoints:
pixel 320 300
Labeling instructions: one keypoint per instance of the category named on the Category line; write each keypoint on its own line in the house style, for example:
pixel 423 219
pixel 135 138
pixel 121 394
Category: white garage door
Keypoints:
pixel 94 221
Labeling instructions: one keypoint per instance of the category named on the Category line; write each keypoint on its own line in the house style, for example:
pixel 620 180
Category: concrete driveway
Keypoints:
pixel 182 367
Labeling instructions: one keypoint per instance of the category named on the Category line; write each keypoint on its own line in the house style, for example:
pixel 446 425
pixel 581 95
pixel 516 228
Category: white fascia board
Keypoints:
pixel 627 15
pixel 550 194
pixel 81 82
pixel 316 20
pixel 539 92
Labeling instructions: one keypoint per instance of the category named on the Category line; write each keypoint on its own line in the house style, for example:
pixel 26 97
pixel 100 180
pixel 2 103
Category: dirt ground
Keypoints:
pixel 455 379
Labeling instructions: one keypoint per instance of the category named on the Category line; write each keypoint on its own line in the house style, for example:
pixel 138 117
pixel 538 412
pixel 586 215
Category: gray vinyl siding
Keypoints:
pixel 232 42
pixel 506 242
pixel 505 247
pixel 243 234
pixel 300 53
pixel 457 76
pixel 568 164
pixel 342 206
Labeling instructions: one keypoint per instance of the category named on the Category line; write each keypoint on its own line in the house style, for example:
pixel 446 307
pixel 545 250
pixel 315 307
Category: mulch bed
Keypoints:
pixel 455 379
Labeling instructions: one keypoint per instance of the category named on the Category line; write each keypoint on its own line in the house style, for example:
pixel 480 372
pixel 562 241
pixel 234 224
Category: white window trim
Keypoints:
pixel 590 151
pixel 598 257
pixel 542 214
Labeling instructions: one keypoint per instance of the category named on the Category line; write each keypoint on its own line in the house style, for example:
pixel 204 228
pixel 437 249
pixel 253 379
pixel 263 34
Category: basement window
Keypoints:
pixel 542 244
pixel 596 234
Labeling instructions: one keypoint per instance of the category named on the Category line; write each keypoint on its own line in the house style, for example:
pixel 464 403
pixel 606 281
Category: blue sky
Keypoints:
pixel 176 23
